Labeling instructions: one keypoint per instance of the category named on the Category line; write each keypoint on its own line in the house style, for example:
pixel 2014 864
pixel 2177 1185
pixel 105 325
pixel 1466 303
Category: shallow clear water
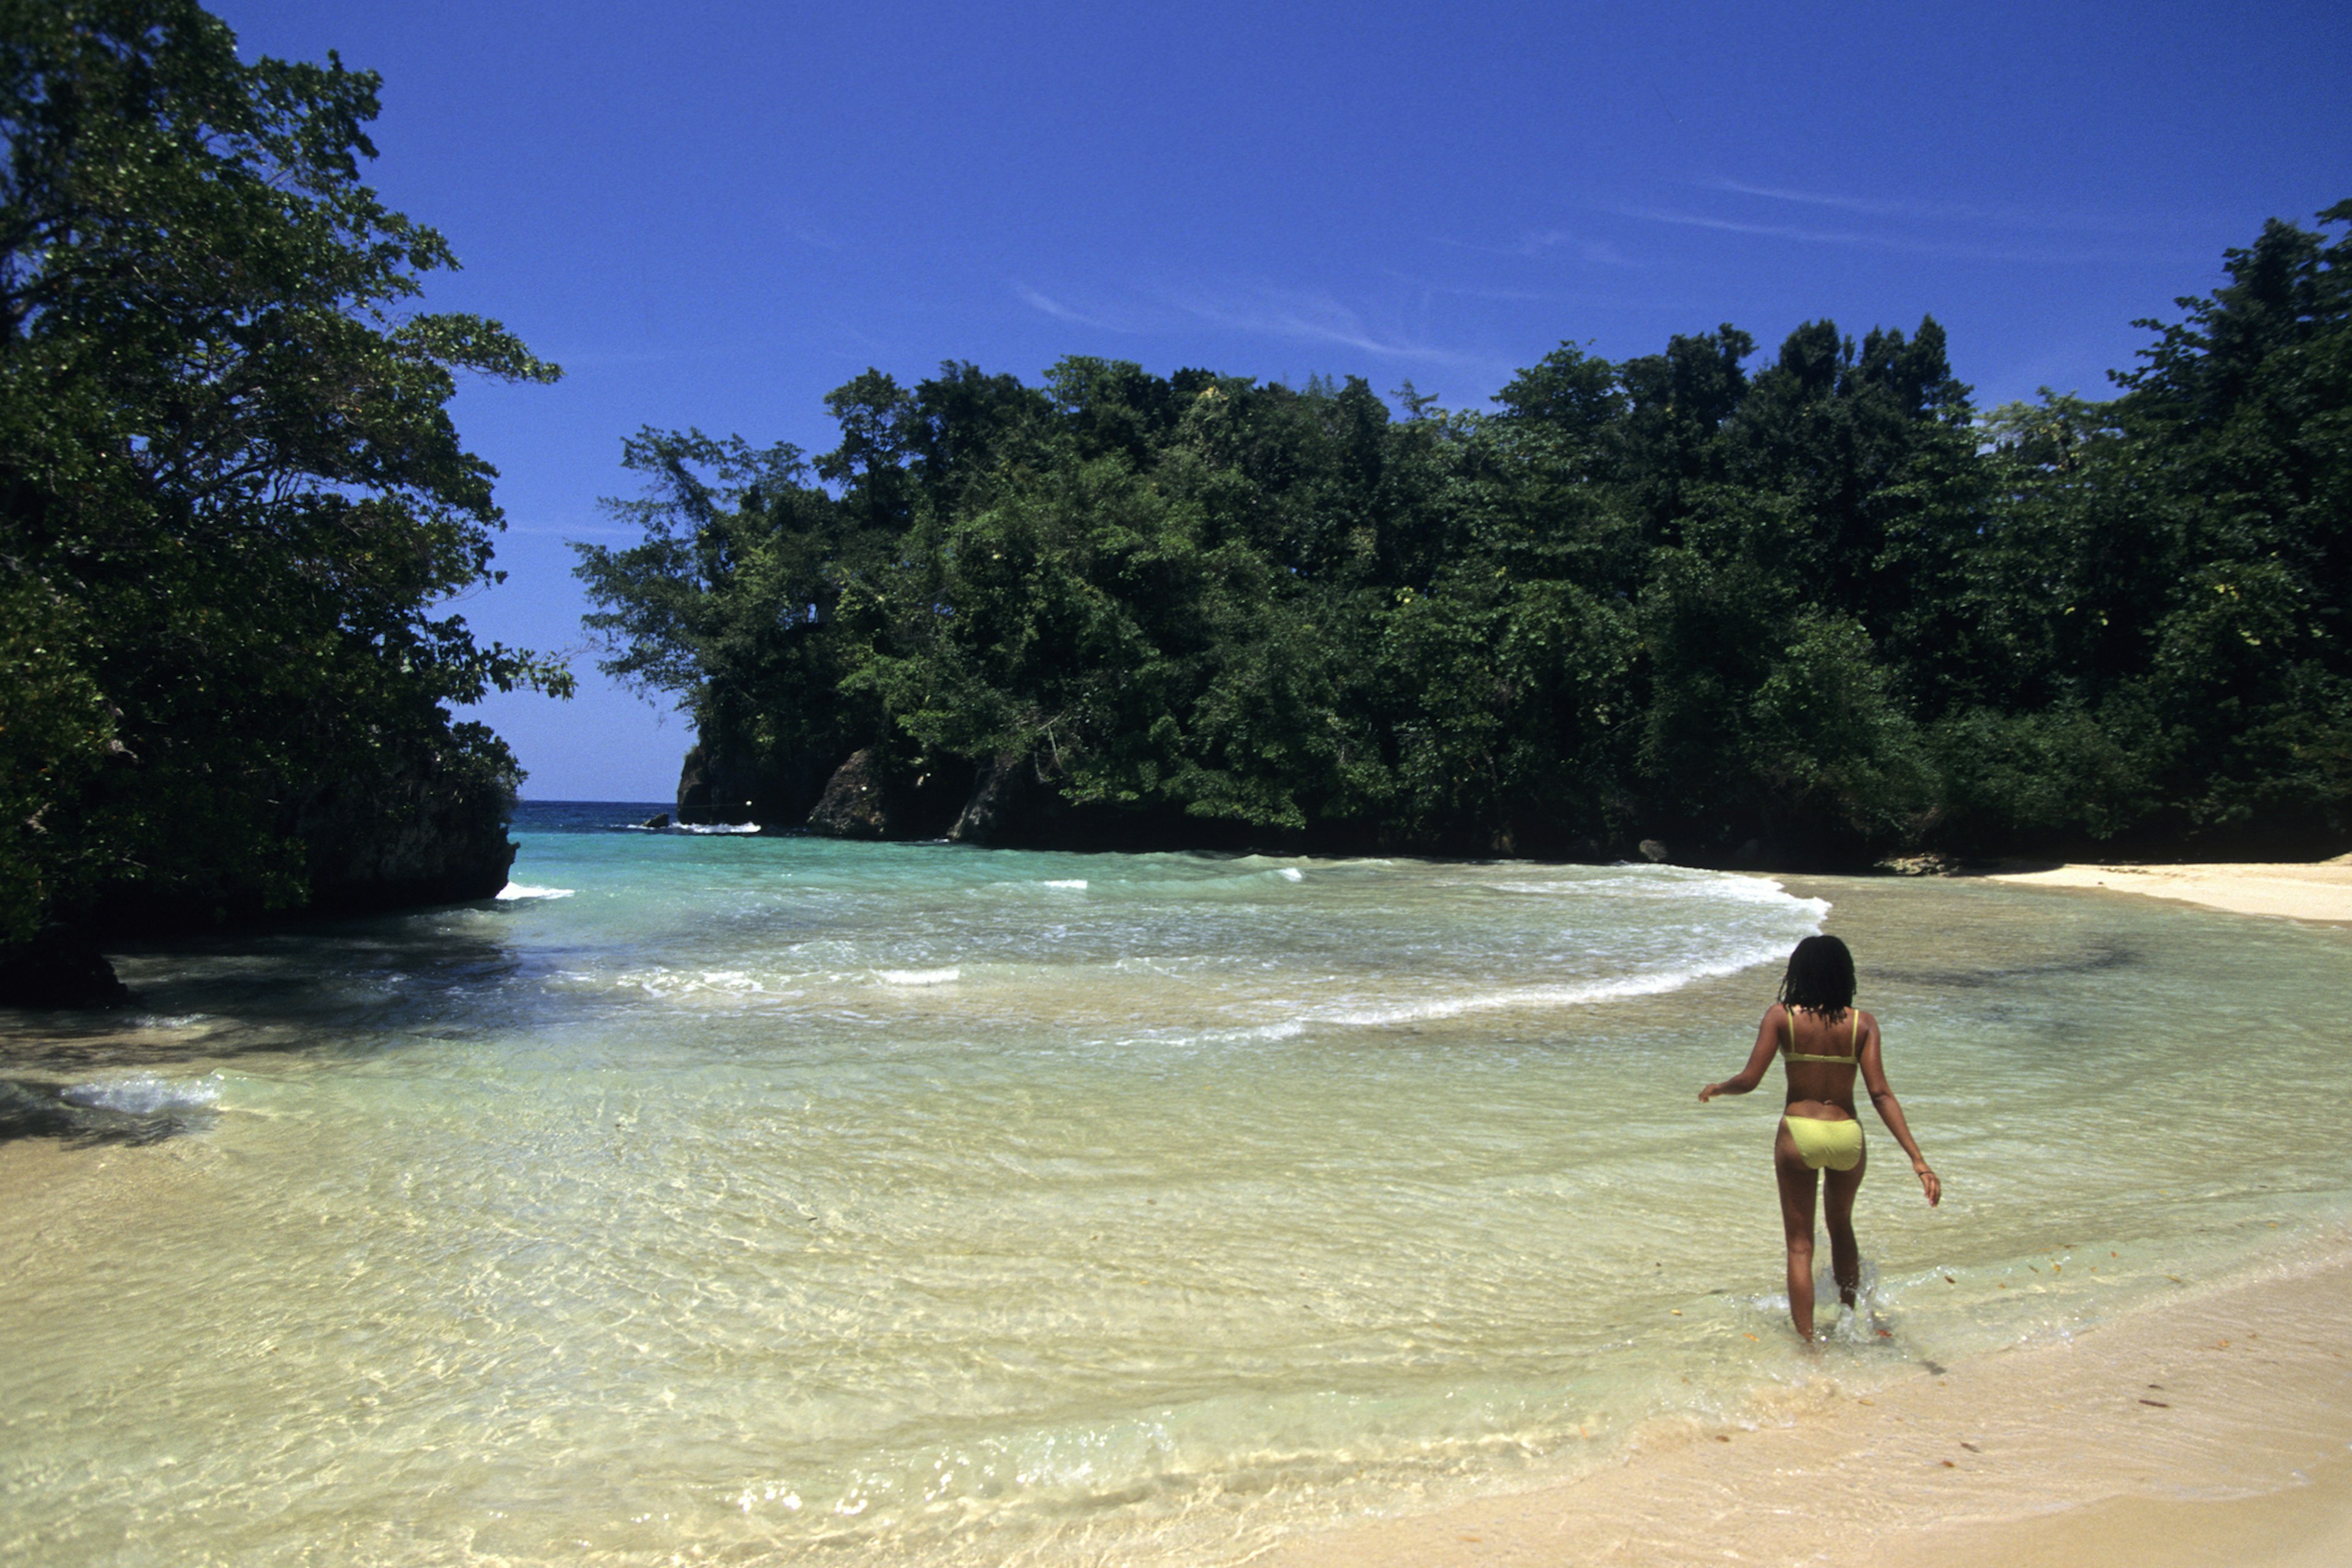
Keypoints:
pixel 716 1196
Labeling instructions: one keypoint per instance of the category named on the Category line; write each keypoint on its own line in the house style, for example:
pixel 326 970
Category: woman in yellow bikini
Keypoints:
pixel 1826 1039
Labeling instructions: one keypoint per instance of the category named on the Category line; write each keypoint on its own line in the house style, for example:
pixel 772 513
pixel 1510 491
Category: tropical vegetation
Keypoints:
pixel 1809 607
pixel 233 504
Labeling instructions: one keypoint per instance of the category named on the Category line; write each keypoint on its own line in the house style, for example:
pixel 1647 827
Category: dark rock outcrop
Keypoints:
pixel 877 795
pixel 658 819
pixel 426 824
pixel 715 788
pixel 421 836
pixel 720 783
pixel 1009 804
pixel 855 802
pixel 58 968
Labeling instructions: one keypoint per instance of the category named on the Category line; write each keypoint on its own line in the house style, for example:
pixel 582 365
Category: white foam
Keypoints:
pixel 1763 891
pixel 144 1094
pixel 1622 988
pixel 523 891
pixel 918 976
pixel 734 828
pixel 1289 1028
pixel 1077 882
pixel 1293 874
pixel 690 987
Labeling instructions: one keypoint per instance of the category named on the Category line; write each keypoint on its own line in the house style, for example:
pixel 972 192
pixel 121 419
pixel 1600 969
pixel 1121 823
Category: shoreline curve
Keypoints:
pixel 2304 890
pixel 2213 1427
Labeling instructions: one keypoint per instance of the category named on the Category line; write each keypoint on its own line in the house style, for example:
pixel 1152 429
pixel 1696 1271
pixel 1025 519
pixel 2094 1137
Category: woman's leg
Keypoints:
pixel 1797 1186
pixel 1838 1191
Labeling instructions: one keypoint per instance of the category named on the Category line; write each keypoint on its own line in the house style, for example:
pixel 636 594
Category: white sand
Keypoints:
pixel 2308 890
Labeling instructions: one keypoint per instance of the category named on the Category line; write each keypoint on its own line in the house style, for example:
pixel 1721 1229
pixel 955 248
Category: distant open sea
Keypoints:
pixel 709 1198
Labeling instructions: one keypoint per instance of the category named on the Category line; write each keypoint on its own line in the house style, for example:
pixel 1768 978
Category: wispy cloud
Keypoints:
pixel 1599 252
pixel 1902 244
pixel 1295 315
pixel 1602 294
pixel 1316 318
pixel 1425 289
pixel 1841 203
pixel 1125 313
pixel 1061 312
pixel 2041 220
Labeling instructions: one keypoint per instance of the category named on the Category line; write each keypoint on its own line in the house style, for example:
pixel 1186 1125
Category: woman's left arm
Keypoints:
pixel 1890 1111
pixel 1758 1059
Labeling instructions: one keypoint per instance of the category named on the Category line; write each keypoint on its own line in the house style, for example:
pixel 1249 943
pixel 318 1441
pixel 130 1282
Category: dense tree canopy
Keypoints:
pixel 230 492
pixel 1812 608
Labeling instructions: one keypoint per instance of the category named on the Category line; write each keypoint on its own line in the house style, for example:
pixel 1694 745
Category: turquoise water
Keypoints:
pixel 715 1198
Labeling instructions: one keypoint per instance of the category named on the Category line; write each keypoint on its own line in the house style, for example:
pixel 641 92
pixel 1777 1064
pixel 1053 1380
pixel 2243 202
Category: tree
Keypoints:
pixel 2171 573
pixel 2240 441
pixel 731 605
pixel 231 496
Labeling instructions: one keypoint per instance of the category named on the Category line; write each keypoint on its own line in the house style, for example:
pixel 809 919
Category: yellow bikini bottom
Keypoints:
pixel 1825 1145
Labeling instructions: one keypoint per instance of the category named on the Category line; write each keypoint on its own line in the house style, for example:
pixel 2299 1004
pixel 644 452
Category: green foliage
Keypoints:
pixel 1840 762
pixel 230 492
pixel 1817 604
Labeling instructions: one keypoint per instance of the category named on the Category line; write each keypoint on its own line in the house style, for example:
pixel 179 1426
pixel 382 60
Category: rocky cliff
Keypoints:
pixel 722 783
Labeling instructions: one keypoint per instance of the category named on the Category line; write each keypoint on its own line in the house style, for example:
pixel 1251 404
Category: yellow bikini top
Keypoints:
pixel 1854 1039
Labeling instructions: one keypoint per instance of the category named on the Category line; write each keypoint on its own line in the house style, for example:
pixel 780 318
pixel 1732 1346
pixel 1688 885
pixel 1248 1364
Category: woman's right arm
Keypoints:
pixel 1758 1059
pixel 1890 1111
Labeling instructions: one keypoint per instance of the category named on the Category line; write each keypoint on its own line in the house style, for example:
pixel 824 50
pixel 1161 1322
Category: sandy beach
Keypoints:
pixel 2213 1430
pixel 2313 890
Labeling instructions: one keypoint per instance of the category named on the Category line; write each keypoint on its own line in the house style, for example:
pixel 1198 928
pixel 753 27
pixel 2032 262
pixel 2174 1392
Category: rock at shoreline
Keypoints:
pixel 855 802
pixel 714 789
pixel 658 819
pixel 425 834
pixel 1931 864
pixel 1006 801
pixel 722 783
pixel 875 794
pixel 58 969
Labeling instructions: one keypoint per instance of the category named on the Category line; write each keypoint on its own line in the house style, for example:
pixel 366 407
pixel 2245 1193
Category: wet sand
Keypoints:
pixel 2313 890
pixel 2217 1429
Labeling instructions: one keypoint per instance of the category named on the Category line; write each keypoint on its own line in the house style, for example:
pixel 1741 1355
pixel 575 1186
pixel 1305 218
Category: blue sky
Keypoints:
pixel 711 214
